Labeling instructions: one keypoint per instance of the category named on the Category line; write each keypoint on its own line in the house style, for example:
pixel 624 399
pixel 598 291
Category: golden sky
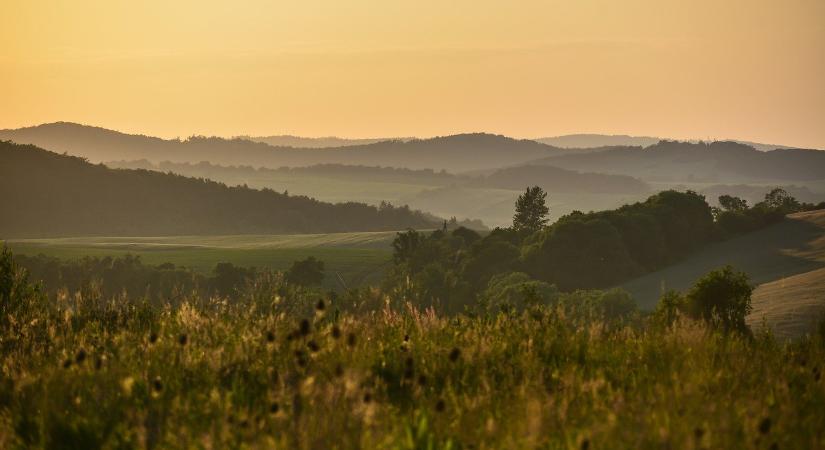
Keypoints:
pixel 743 69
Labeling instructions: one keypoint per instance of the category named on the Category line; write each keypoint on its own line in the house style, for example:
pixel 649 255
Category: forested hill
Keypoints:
pixel 47 194
pixel 708 162
pixel 454 153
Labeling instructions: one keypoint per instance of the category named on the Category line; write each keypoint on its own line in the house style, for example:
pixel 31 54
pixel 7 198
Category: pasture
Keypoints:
pixel 350 258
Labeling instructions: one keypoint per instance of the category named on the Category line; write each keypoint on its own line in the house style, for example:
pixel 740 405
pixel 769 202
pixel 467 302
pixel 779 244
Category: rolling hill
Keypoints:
pixel 50 195
pixel 785 261
pixel 455 153
pixel 591 141
pixel 715 162
pixel 285 140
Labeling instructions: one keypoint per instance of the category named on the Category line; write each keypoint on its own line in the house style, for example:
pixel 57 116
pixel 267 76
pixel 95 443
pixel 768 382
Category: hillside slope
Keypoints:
pixel 786 261
pixel 50 195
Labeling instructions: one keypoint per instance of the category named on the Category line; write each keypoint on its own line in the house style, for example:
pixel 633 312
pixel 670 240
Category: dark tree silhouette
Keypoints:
pixel 731 203
pixel 531 210
pixel 306 272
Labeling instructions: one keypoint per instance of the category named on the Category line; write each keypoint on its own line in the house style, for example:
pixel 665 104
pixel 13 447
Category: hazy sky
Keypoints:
pixel 745 69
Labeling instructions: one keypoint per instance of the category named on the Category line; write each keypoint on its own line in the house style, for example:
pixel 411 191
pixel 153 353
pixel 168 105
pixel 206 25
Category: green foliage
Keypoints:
pixel 722 298
pixel 671 306
pixel 306 272
pixel 531 210
pixel 16 292
pixel 516 291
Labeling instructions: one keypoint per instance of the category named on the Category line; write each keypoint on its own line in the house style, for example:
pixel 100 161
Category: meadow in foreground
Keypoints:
pixel 289 368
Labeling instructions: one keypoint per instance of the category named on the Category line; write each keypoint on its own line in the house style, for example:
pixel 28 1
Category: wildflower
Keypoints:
pixel 765 425
pixel 440 406
pixel 81 356
pixel 183 339
pixel 304 327
pixel 336 332
pixel 455 354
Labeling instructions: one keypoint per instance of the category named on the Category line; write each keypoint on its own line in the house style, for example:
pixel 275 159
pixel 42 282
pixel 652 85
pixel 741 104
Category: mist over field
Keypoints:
pixel 395 225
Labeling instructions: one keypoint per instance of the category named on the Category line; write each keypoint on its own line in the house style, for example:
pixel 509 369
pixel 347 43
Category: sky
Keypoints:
pixel 699 69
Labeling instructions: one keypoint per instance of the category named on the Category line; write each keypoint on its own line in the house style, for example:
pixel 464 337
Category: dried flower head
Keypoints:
pixel 765 425
pixel 304 327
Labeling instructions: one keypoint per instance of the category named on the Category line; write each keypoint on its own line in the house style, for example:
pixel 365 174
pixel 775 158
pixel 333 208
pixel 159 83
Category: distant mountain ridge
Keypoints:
pixel 713 162
pixel 286 140
pixel 591 141
pixel 456 153
pixel 50 195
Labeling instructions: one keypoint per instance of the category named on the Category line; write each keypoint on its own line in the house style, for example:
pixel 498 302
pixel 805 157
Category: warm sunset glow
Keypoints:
pixel 744 69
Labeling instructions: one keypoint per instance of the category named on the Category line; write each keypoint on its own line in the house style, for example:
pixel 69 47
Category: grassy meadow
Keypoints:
pixel 356 257
pixel 297 372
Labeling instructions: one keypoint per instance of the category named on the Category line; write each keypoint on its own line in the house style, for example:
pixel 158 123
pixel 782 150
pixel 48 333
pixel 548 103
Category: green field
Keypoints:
pixel 355 257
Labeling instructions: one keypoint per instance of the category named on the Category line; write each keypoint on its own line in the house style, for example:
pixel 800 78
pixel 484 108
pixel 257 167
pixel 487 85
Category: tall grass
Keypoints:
pixel 294 371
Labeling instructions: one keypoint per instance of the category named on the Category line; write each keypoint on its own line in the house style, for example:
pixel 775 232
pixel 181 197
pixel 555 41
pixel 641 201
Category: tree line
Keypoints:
pixel 596 250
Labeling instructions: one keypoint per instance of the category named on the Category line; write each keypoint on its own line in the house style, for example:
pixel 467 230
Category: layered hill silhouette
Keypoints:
pixel 454 153
pixel 50 195
pixel 595 141
pixel 286 140
pixel 551 179
pixel 728 162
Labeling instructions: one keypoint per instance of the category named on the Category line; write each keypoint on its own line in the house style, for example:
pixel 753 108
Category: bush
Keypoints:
pixel 307 272
pixel 722 298
pixel 516 291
